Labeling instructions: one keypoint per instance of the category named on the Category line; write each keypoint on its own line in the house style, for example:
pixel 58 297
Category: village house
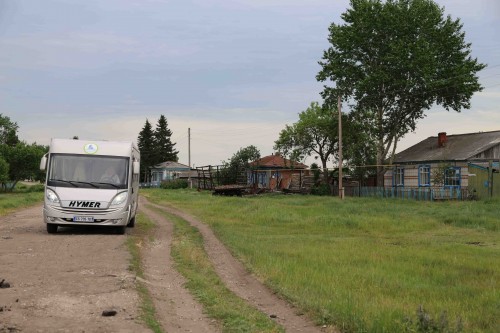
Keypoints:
pixel 168 170
pixel 445 161
pixel 275 172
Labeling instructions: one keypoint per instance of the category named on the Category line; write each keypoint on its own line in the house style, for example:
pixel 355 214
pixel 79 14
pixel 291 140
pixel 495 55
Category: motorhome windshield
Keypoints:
pixel 70 170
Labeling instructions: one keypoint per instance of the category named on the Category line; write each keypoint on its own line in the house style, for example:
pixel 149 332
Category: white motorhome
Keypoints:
pixel 91 183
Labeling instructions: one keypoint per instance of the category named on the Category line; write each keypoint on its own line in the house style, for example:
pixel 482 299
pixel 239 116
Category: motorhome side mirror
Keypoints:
pixel 43 162
pixel 136 167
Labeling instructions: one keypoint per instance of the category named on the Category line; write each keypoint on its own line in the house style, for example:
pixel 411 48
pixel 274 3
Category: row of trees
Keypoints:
pixel 156 146
pixel 389 61
pixel 18 159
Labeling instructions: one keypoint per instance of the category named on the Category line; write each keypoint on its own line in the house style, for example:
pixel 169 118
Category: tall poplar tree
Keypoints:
pixel 164 148
pixel 394 60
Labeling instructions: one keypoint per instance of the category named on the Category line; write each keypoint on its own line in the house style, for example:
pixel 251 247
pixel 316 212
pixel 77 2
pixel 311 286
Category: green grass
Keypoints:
pixel 10 202
pixel 191 260
pixel 364 265
pixel 142 233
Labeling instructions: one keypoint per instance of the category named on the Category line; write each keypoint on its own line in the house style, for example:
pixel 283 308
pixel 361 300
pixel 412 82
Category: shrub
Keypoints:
pixel 321 189
pixel 36 188
pixel 20 187
pixel 424 323
pixel 23 188
pixel 174 184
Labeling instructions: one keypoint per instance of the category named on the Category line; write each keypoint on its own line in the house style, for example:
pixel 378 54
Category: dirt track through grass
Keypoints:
pixel 176 308
pixel 242 283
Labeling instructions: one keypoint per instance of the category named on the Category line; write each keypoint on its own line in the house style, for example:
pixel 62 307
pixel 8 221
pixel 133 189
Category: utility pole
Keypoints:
pixel 490 179
pixel 189 158
pixel 341 188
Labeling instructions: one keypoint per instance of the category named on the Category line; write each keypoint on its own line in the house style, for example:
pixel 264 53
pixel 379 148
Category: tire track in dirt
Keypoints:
pixel 241 282
pixel 176 309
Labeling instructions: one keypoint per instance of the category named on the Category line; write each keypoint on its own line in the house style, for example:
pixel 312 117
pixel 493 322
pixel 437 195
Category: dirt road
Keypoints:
pixel 64 282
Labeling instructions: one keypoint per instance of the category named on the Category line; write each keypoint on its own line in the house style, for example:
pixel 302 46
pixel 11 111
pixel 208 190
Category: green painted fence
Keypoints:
pixel 479 182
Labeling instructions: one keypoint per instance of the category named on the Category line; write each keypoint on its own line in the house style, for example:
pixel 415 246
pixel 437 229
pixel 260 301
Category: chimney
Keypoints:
pixel 442 139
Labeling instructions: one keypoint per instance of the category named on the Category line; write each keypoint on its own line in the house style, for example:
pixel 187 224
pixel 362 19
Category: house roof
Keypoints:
pixel 458 147
pixel 277 161
pixel 171 165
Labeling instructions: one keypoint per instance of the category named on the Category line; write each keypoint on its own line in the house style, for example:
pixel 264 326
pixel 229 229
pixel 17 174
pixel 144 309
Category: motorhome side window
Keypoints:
pixel 69 170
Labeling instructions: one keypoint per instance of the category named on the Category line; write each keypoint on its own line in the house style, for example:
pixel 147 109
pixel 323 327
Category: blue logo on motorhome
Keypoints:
pixel 90 148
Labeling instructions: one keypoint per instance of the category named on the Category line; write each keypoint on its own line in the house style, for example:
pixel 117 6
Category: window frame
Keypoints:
pixel 421 170
pixel 399 172
pixel 457 177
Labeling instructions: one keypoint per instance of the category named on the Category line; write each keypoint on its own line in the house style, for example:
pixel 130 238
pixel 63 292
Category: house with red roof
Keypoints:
pixel 275 172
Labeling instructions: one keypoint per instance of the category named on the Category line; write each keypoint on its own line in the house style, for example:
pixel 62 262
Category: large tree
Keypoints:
pixel 395 59
pixel 23 162
pixel 8 131
pixel 315 133
pixel 164 148
pixel 360 149
pixel 146 145
pixel 4 171
pixel 238 163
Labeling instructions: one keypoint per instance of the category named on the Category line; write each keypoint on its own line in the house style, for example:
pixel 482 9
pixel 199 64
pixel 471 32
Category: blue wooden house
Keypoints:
pixel 166 171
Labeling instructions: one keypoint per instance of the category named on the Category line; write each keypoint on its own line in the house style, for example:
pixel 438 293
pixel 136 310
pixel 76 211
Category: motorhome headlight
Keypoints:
pixel 52 196
pixel 119 199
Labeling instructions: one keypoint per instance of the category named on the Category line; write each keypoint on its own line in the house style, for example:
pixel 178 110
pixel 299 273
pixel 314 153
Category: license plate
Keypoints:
pixel 83 219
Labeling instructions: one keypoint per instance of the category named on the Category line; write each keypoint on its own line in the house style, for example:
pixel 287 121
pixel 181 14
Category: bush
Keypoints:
pixel 23 188
pixel 20 187
pixel 36 188
pixel 174 184
pixel 426 324
pixel 321 189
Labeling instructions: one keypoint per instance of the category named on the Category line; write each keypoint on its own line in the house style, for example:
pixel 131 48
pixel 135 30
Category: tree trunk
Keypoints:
pixel 326 177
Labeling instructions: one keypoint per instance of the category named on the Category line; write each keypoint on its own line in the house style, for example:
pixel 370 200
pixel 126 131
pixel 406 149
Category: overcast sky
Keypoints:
pixel 235 72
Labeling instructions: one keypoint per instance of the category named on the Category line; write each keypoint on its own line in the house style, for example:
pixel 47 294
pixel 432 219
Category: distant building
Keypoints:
pixel 452 155
pixel 168 170
pixel 274 172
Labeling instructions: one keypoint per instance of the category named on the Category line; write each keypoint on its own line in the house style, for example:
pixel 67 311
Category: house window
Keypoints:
pixel 424 175
pixel 156 177
pixel 452 177
pixel 399 177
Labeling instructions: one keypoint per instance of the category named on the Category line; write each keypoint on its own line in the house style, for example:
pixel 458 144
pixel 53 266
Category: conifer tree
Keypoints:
pixel 164 148
pixel 146 145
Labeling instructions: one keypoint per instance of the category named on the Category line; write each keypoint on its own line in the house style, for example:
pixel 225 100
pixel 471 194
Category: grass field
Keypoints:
pixel 365 265
pixel 9 202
